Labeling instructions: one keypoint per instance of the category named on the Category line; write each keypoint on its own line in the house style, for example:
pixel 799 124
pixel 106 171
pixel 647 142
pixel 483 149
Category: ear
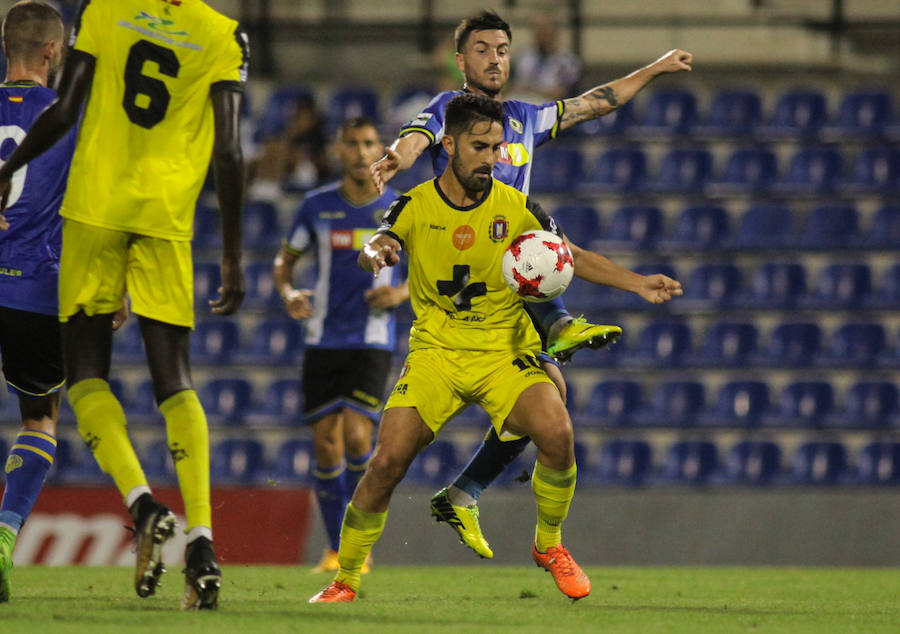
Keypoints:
pixel 460 63
pixel 449 144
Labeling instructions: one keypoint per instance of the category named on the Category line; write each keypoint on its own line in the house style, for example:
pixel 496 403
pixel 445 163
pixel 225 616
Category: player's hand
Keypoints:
pixel 385 297
pixel 120 316
pixel 658 289
pixel 378 253
pixel 384 169
pixel 297 304
pixel 5 189
pixel 674 61
pixel 231 292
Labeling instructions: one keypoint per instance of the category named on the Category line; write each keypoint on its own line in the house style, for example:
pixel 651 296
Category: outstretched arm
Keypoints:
pixel 398 157
pixel 380 251
pixel 603 99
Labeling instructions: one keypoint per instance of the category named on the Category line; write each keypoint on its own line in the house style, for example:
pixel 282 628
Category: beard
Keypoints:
pixel 488 91
pixel 473 182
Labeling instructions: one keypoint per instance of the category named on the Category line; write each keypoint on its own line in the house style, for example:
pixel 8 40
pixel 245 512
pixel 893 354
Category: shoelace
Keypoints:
pixel 335 589
pixel 564 560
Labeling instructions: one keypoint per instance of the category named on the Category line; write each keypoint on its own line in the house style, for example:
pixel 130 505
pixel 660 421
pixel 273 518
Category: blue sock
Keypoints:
pixel 356 467
pixel 489 461
pixel 29 460
pixel 545 314
pixel 329 486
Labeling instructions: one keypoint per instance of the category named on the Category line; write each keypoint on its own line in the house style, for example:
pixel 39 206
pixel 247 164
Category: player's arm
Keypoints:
pixel 55 121
pixel 380 251
pixel 398 157
pixel 593 267
pixel 228 165
pixel 603 99
pixel 296 301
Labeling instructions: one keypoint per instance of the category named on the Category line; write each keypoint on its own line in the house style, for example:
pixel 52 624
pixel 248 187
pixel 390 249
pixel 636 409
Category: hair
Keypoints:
pixel 464 111
pixel 27 28
pixel 482 21
pixel 354 123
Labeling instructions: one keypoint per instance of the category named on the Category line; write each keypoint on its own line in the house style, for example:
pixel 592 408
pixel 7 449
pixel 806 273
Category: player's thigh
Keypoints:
pixel 160 279
pixel 402 434
pixel 539 413
pixel 91 269
pixel 427 384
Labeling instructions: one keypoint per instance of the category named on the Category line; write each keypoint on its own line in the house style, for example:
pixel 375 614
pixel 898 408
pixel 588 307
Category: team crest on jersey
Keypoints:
pixel 499 228
pixel 516 125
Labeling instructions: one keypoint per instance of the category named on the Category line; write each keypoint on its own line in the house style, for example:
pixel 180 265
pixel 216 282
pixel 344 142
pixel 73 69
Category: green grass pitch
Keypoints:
pixel 476 598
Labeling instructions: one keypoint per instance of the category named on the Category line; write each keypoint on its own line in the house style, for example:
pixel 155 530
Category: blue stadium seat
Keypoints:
pixel 668 113
pixel 747 170
pixel 662 344
pixel 879 463
pixel 128 344
pixel 733 113
pixel 581 223
pixel 876 170
pixel 797 113
pixel 624 462
pixel 353 101
pixel 701 227
pixel 831 227
pixel 236 461
pixel 279 108
pixel 207 234
pixel 260 226
pixel 753 462
pixel 819 462
pixel 714 285
pixel 214 342
pixel 813 170
pixel 739 404
pixel 802 404
pixel 884 232
pixel 778 285
pixel 869 405
pixel 674 404
pixel 793 345
pixel 557 168
pixel 843 286
pixel 275 342
pixel 282 404
pixel 857 345
pixel 207 280
pixel 261 292
pixel 683 171
pixel 616 123
pixel 295 461
pixel 888 293
pixel 435 466
pixel 862 113
pixel 226 401
pixel 636 226
pixel 729 344
pixel 612 403
pixel 157 462
pixel 618 170
pixel 765 227
pixel 690 462
pixel 142 406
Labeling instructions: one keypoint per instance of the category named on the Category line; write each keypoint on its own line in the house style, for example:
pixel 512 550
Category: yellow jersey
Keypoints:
pixel 147 132
pixel 456 284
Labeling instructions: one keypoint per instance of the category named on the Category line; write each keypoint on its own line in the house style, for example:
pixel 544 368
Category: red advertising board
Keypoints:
pixel 86 525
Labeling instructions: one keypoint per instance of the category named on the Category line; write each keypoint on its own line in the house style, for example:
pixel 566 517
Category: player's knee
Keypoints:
pixel 557 443
pixel 358 440
pixel 388 467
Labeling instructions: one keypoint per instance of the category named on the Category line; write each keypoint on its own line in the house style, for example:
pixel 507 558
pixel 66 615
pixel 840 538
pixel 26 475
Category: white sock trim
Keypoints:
pixel 199 531
pixel 458 497
pixel 135 493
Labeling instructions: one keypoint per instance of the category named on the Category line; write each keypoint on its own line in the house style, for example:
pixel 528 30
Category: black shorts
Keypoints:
pixel 335 378
pixel 31 348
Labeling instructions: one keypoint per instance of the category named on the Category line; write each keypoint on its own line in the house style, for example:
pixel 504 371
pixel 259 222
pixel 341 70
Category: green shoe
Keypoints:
pixel 462 519
pixel 578 334
pixel 7 544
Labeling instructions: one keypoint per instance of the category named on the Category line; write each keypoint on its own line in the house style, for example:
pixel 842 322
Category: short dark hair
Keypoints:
pixel 463 111
pixel 481 21
pixel 28 26
pixel 354 123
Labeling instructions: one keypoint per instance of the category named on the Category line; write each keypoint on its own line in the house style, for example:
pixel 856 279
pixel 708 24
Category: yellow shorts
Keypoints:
pixel 441 383
pixel 97 265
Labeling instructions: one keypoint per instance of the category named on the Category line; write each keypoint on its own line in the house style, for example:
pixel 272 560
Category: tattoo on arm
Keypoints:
pixel 591 105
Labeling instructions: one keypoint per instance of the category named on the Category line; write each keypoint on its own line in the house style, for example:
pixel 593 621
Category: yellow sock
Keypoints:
pixel 359 533
pixel 553 491
pixel 188 436
pixel 102 425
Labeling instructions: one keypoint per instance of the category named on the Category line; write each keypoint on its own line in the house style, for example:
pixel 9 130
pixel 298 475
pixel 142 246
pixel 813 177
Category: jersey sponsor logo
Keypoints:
pixel 330 215
pixel 10 272
pixel 17 99
pixel 160 25
pixel 463 237
pixel 516 125
pixel 499 229
pixel 514 154
pixel 354 239
pixel 437 227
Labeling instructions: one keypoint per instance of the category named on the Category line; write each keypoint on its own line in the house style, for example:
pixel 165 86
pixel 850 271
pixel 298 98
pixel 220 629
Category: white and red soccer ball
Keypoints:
pixel 538 266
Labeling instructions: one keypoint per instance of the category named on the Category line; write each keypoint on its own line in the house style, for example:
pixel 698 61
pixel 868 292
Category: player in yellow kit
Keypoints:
pixel 471 341
pixel 161 84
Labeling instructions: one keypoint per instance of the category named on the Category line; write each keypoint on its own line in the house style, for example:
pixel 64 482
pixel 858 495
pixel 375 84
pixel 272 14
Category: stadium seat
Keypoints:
pixel 690 462
pixel 884 232
pixel 793 345
pixel 662 344
pixel 778 285
pixel 616 124
pixel 813 170
pixel 683 171
pixel 700 227
pixel 612 403
pixel 802 404
pixel 435 466
pixel 819 462
pixel 279 108
pixel 261 293
pixel 142 406
pixel 857 345
pixel 668 113
pixel 226 401
pixel 862 113
pixel 128 344
pixel 557 168
pixel 157 462
pixel 713 285
pixel 879 463
pixel 282 404
pixel 207 234
pixel 869 405
pixel 635 226
pixel 733 113
pixel 843 286
pixel 260 226
pixel 798 113
pixel 729 344
pixel 352 101
pixel 236 461
pixel 674 404
pixel 765 227
pixel 888 292
pixel 214 342
pixel 624 462
pixel 753 462
pixel 275 342
pixel 739 404
pixel 206 283
pixel 830 227
pixel 581 223
pixel 295 461
pixel 747 170
pixel 618 170
pixel 876 170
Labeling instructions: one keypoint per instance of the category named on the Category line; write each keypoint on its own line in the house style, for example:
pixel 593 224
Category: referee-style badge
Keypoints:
pixel 499 228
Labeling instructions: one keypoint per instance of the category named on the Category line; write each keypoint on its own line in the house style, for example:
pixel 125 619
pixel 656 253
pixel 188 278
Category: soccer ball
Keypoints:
pixel 538 266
